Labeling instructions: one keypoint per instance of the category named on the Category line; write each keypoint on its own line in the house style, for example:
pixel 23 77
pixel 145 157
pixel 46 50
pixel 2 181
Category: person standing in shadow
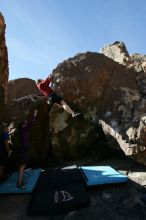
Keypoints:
pixel 24 148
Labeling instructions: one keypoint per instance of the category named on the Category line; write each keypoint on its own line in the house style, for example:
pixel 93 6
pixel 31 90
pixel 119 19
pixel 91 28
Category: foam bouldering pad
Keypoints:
pixel 10 184
pixel 97 175
pixel 58 191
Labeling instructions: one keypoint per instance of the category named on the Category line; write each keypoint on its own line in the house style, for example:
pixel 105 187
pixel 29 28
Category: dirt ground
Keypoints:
pixel 125 201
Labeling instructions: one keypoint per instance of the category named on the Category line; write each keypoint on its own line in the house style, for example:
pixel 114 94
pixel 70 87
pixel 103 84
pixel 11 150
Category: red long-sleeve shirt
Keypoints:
pixel 44 87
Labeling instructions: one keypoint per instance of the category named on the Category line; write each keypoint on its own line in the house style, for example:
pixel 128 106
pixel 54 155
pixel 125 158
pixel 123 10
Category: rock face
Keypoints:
pixel 73 139
pixel 136 62
pixel 116 51
pixel 3 70
pixel 108 94
pixel 21 87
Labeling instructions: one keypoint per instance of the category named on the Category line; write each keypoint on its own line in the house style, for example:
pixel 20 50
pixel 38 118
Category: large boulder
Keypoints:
pixel 106 93
pixel 92 82
pixel 4 72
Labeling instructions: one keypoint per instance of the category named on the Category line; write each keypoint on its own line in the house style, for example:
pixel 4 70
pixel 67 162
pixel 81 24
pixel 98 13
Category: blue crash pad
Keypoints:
pixel 97 175
pixel 30 178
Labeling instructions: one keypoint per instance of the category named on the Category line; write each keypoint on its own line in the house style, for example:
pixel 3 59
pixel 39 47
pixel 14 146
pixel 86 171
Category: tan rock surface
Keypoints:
pixel 4 72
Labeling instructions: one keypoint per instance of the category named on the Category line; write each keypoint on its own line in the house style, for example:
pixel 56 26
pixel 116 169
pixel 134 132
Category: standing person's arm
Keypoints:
pixel 32 120
pixel 6 142
pixel 35 113
pixel 7 148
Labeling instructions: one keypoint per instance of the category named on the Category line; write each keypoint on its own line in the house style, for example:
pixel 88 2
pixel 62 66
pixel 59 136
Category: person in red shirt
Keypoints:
pixel 46 90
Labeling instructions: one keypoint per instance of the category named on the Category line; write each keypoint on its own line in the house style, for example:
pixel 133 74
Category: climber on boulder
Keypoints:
pixel 45 88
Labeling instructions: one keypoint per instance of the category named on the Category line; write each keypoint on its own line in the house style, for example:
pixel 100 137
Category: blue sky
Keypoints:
pixel 42 33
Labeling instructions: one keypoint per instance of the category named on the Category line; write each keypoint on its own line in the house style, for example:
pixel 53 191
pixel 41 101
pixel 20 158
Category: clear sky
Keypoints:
pixel 42 33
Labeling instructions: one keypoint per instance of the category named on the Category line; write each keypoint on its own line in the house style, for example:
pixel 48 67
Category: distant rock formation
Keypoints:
pixel 4 72
pixel 21 87
pixel 116 51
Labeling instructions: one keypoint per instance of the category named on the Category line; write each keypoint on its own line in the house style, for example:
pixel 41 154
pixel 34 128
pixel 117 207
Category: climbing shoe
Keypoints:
pixel 76 114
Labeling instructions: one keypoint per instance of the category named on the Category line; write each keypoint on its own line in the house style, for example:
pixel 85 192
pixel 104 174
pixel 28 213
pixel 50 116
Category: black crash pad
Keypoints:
pixel 58 191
